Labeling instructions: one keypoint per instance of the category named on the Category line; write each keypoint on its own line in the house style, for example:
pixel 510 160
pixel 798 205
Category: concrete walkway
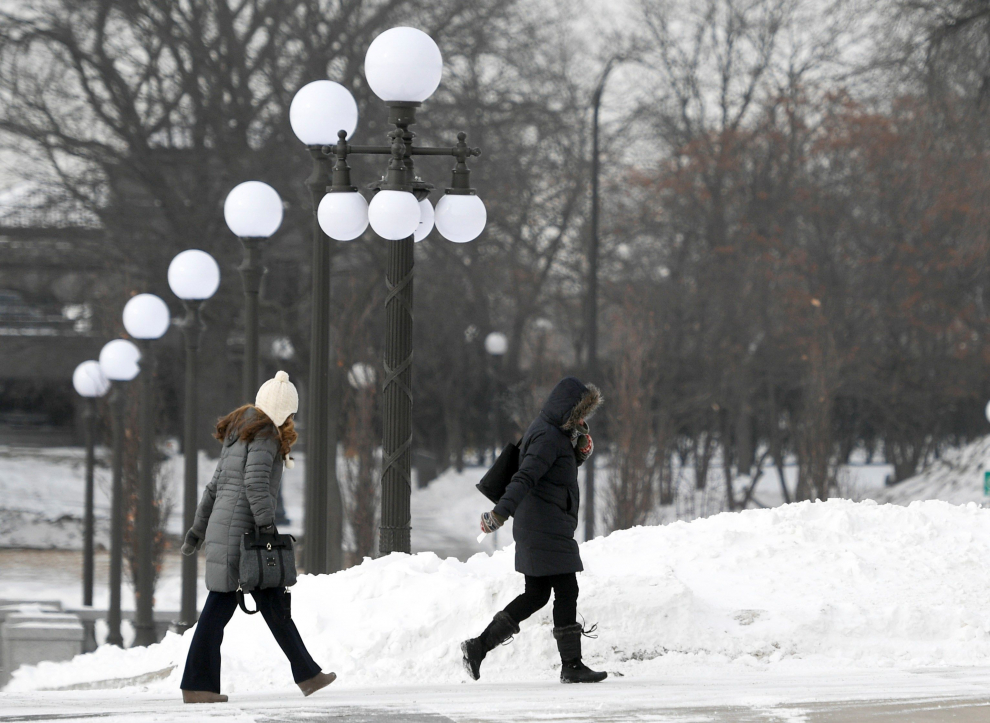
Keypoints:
pixel 712 695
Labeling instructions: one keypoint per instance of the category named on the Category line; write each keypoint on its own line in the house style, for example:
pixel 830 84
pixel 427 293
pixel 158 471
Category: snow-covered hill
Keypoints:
pixel 956 477
pixel 841 582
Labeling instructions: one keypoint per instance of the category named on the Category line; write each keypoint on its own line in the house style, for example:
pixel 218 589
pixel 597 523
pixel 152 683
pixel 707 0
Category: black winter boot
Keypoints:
pixel 500 629
pixel 572 670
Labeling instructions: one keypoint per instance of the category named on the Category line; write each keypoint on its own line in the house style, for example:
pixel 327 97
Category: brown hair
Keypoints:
pixel 261 423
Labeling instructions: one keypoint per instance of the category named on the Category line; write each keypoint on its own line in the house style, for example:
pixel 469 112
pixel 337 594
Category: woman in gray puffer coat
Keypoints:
pixel 256 442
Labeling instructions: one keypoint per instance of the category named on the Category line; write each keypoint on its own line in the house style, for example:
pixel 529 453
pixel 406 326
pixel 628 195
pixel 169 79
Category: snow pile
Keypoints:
pixel 956 477
pixel 856 583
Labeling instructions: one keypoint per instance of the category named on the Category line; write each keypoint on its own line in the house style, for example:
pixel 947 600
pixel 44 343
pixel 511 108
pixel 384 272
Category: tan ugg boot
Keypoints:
pixel 202 696
pixel 321 680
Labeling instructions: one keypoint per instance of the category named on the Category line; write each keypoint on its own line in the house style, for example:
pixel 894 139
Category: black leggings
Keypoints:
pixel 565 595
pixel 203 662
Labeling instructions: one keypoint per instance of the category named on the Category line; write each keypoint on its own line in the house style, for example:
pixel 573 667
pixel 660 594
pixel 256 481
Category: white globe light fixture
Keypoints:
pixel 496 343
pixel 394 215
pixel 361 376
pixel 253 210
pixel 461 218
pixel 987 411
pixel 146 316
pixel 89 380
pixel 319 110
pixel 343 215
pixel 119 360
pixel 426 217
pixel 404 65
pixel 194 275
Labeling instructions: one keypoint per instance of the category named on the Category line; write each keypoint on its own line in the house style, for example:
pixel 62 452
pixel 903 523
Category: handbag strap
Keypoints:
pixel 240 601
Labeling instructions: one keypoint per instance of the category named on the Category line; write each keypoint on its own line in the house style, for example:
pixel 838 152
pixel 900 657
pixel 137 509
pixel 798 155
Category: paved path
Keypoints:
pixel 706 694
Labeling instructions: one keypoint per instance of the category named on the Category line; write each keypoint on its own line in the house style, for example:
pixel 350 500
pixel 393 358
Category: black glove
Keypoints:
pixel 267 529
pixel 192 543
pixel 491 521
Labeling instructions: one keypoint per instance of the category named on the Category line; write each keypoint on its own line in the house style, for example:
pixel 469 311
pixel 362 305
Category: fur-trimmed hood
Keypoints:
pixel 570 402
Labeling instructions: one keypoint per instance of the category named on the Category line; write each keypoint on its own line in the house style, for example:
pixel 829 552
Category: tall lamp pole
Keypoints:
pixel 253 212
pixel 194 277
pixel 119 364
pixel 592 300
pixel 319 109
pixel 146 318
pixel 403 67
pixel 89 383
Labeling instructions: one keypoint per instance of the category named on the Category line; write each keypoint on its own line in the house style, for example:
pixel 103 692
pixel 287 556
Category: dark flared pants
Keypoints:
pixel 537 594
pixel 203 662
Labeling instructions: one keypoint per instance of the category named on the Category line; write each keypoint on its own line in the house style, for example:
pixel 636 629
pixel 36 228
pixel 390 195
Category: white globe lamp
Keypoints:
pixel 319 110
pixel 146 316
pixel 361 376
pixel 89 380
pixel 253 210
pixel 426 216
pixel 394 215
pixel 461 217
pixel 343 215
pixel 194 275
pixel 403 64
pixel 496 343
pixel 119 360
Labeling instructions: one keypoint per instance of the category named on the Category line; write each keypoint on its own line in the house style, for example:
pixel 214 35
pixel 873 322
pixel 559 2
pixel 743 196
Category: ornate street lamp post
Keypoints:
pixel 318 111
pixel 194 277
pixel 119 363
pixel 89 383
pixel 403 67
pixel 253 212
pixel 146 318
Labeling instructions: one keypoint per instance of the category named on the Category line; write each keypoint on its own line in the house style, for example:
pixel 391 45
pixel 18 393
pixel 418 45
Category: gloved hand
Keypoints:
pixel 584 445
pixel 267 529
pixel 192 543
pixel 491 521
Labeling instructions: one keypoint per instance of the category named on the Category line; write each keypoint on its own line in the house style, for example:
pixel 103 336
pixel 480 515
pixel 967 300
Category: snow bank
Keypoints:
pixel 845 582
pixel 956 477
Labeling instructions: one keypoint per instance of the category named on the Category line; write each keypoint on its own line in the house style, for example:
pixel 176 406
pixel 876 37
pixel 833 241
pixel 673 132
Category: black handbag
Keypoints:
pixel 496 479
pixel 268 560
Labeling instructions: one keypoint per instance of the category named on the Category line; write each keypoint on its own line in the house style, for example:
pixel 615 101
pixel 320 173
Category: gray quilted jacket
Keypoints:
pixel 241 494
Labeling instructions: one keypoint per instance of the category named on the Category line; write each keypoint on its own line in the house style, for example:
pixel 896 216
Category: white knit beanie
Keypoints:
pixel 278 398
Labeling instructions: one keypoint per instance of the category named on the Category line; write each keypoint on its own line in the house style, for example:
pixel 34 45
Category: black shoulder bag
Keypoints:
pixel 496 479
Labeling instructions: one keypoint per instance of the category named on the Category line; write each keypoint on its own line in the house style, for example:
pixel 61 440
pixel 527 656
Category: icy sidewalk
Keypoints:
pixel 837 584
pixel 791 692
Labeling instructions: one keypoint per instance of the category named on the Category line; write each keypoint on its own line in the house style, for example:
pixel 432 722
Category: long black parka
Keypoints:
pixel 543 497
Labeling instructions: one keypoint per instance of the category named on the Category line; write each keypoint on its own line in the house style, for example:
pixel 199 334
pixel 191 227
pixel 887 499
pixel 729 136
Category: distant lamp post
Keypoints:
pixel 194 277
pixel 90 383
pixel 496 344
pixel 119 364
pixel 403 67
pixel 253 212
pixel 591 309
pixel 146 318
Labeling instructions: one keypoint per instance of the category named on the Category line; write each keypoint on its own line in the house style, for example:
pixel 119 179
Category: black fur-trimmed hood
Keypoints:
pixel 570 402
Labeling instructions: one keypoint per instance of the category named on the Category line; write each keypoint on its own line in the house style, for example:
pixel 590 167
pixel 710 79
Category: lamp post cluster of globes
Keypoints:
pixel 403 67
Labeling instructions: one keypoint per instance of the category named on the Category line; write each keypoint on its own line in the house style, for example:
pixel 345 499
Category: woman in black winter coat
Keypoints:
pixel 543 498
pixel 241 496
